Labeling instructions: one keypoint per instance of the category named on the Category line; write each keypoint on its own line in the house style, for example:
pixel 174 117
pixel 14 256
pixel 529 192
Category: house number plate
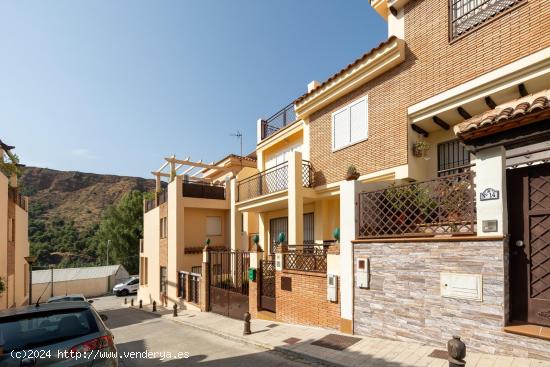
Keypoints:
pixel 489 194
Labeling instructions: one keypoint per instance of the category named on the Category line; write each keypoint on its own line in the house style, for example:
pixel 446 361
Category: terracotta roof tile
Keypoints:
pixel 506 112
pixel 349 66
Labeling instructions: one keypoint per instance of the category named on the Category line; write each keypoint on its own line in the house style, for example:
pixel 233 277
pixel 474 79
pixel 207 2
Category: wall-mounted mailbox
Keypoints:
pixel 332 287
pixel 252 274
pixel 362 273
pixel 462 286
pixel 489 225
pixel 278 261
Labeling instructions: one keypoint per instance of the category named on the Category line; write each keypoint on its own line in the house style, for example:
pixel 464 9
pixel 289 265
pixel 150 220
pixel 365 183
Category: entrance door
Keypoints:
pixel 529 217
pixel 267 285
pixel 276 226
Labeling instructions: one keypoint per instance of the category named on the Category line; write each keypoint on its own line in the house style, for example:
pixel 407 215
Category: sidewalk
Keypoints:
pixel 296 342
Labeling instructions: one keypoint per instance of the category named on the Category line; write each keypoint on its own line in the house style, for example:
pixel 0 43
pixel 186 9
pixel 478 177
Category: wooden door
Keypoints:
pixel 529 215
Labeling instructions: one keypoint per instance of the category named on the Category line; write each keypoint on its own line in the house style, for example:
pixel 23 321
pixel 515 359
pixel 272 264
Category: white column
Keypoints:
pixel 234 216
pixel 295 200
pixel 348 220
pixel 262 232
pixel 259 131
pixel 491 178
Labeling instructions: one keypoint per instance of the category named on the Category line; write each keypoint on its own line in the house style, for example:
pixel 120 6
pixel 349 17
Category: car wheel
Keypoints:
pixel 124 292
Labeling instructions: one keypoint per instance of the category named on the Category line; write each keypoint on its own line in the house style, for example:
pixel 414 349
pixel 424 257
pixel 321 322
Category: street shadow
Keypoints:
pixel 127 316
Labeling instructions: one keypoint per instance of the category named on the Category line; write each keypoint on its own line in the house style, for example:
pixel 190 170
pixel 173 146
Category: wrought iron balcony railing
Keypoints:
pixel 272 180
pixel 279 120
pixel 15 196
pixel 445 205
pixel 467 14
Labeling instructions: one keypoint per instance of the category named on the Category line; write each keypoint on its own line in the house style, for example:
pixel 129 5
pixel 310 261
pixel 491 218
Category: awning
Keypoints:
pixel 519 112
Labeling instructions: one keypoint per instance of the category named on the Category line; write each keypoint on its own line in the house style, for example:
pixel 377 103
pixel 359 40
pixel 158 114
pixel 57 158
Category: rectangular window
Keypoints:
pixel 26 279
pixel 452 157
pixel 350 124
pixel 143 271
pixel 163 227
pixel 163 279
pixel 11 229
pixel 468 14
pixel 213 226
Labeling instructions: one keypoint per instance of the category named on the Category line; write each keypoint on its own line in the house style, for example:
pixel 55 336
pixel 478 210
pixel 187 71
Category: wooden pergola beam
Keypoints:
pixel 419 130
pixel 462 112
pixel 442 124
pixel 522 90
pixel 188 162
pixel 490 103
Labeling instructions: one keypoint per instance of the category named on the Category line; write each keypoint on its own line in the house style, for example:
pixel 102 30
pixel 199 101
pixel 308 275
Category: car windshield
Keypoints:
pixel 44 328
pixel 65 299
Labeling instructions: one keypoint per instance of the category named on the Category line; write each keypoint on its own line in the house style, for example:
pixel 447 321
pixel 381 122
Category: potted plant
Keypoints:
pixel 420 148
pixel 351 173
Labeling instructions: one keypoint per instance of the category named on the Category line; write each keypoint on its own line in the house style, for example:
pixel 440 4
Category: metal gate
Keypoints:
pixel 229 283
pixel 267 285
pixel 529 208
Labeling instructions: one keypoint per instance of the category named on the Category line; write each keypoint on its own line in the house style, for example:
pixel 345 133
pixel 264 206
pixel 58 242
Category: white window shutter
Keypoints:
pixel 213 226
pixel 341 131
pixel 358 121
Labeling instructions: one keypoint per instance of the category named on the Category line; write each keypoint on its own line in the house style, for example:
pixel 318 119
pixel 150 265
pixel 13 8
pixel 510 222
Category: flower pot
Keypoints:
pixel 352 176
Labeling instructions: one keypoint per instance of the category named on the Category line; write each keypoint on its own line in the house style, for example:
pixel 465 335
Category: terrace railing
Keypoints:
pixel 272 180
pixel 17 198
pixel 308 258
pixel 203 190
pixel 282 118
pixel 445 205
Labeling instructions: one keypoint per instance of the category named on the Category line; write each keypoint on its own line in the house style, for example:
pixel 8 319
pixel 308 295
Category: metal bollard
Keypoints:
pixel 132 302
pixel 246 319
pixel 125 300
pixel 154 306
pixel 175 310
pixel 140 304
pixel 457 352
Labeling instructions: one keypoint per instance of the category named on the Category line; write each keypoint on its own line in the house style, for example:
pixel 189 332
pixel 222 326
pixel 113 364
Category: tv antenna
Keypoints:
pixel 239 136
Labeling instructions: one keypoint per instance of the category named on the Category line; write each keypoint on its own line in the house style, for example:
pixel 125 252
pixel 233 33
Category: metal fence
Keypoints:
pixel 309 258
pixel 272 180
pixel 467 14
pixel 17 198
pixel 282 118
pixel 445 205
pixel 189 286
pixel 229 270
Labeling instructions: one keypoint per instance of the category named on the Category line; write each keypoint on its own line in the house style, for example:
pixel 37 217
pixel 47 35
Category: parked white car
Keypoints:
pixel 129 286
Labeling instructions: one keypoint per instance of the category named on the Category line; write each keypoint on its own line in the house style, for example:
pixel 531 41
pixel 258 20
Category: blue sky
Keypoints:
pixel 115 86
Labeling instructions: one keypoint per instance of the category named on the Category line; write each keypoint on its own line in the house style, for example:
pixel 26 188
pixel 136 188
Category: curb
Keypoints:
pixel 288 353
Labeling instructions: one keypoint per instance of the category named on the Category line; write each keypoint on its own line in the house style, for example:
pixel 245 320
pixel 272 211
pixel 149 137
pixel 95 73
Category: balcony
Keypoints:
pixel 284 117
pixel 305 258
pixel 271 181
pixel 203 190
pixel 160 198
pixel 444 206
pixel 15 197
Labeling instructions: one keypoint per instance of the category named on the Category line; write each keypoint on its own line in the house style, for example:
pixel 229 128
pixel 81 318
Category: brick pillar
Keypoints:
pixel 253 286
pixel 205 281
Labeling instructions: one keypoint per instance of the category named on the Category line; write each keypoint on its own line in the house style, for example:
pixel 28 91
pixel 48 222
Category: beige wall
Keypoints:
pixel 195 218
pixel 151 240
pixel 4 238
pixel 87 287
pixel 21 250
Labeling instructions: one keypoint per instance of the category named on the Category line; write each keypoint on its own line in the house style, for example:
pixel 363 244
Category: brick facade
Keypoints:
pixel 307 302
pixel 432 65
pixel 404 301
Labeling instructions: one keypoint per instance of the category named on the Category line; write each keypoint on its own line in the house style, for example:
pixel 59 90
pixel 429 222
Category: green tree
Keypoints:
pixel 122 227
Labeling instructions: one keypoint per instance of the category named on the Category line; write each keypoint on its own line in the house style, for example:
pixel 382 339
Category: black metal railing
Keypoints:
pixel 309 258
pixel 17 198
pixel 204 190
pixel 196 270
pixel 272 180
pixel 467 14
pixel 269 181
pixel 445 205
pixel 229 270
pixel 282 118
pixel 182 285
pixel 162 197
pixel 194 291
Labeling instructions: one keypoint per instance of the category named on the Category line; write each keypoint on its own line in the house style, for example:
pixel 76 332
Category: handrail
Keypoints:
pixel 286 115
